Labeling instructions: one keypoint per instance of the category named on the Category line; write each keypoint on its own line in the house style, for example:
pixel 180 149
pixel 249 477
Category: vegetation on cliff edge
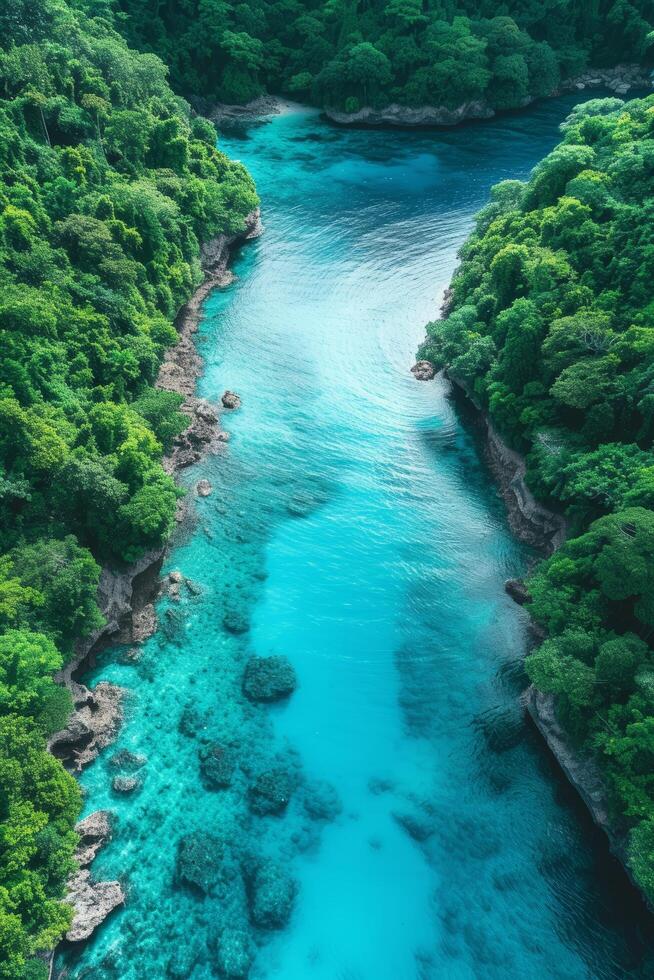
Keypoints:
pixel 107 186
pixel 551 328
pixel 347 54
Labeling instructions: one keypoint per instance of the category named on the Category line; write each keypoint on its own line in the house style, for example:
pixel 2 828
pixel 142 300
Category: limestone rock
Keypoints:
pixel 204 488
pixel 235 621
pixel 92 902
pixel 269 678
pixel 93 724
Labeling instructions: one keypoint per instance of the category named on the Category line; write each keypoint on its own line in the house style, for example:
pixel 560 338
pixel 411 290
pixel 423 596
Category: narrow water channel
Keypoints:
pixel 353 528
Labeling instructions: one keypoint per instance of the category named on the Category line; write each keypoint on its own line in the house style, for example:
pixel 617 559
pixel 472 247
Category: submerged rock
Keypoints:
pixel 125 784
pixel 271 894
pixel 204 861
pixel 423 371
pixel 231 400
pixel 183 960
pixel 92 902
pixel 204 488
pixel 235 621
pixel 217 764
pixel 271 791
pixel 192 721
pixel 321 801
pixel 269 678
pixel 235 954
pixel 127 760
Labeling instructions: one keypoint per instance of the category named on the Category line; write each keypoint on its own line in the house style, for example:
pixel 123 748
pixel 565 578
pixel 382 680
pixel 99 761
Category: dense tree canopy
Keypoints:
pixel 347 53
pixel 107 186
pixel 551 329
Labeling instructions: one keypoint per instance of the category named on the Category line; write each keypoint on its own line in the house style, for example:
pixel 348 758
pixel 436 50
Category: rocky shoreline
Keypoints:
pixel 541 528
pixel 126 594
pixel 619 79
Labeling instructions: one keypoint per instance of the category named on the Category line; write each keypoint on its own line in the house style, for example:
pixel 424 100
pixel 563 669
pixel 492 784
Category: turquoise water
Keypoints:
pixel 353 529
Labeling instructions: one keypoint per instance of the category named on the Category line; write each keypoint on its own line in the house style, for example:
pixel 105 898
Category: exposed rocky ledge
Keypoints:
pixel 92 901
pixel 92 726
pixel 529 520
pixel 620 80
pixel 581 771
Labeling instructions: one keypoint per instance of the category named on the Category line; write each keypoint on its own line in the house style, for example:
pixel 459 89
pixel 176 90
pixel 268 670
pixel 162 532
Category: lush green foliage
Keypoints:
pixel 107 186
pixel 551 328
pixel 346 54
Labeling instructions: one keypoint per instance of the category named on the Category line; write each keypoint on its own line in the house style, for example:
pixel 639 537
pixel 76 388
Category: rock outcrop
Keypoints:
pixel 231 400
pixel 92 726
pixel 94 831
pixel 203 488
pixel 92 902
pixel 271 892
pixel 423 371
pixel 269 678
pixel 271 791
pixel 516 588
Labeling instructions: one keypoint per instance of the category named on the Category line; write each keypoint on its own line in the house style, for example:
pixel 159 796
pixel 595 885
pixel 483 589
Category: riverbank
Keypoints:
pixel 620 80
pixel 126 594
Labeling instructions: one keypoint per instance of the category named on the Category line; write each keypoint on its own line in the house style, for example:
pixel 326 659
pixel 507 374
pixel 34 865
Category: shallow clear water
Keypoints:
pixel 353 527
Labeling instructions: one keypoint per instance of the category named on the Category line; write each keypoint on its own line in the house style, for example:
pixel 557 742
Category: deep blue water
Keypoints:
pixel 354 528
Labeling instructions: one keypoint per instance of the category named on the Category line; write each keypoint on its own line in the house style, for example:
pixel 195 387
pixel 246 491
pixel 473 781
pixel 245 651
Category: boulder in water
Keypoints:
pixel 231 400
pixel 271 893
pixel 217 764
pixel 271 791
pixel 321 801
pixel 235 621
pixel 125 784
pixel 204 488
pixel 269 678
pixel 235 954
pixel 204 861
pixel 92 902
pixel 423 371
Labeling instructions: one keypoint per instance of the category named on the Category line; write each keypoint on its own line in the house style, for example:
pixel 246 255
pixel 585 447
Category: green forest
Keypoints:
pixel 107 188
pixel 347 54
pixel 551 330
